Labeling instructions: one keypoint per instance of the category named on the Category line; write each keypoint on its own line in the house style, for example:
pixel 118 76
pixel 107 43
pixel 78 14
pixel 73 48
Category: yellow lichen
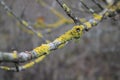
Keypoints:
pixel 44 48
pixel 88 24
pixel 14 54
pixel 97 16
pixel 25 23
pixel 66 7
pixel 4 67
pixel 28 65
pixel 76 32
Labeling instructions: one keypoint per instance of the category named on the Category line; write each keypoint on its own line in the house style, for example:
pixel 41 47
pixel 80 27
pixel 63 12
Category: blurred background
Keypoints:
pixel 96 56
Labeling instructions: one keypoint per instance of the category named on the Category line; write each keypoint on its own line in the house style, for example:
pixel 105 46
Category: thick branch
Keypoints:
pixel 44 49
pixel 39 53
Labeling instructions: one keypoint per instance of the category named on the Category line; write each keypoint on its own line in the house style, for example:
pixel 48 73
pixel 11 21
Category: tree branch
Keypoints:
pixel 42 51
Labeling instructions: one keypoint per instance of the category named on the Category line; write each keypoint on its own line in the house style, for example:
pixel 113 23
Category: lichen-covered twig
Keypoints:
pixel 42 51
pixel 89 9
pixel 23 22
pixel 62 20
pixel 98 4
pixel 69 12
